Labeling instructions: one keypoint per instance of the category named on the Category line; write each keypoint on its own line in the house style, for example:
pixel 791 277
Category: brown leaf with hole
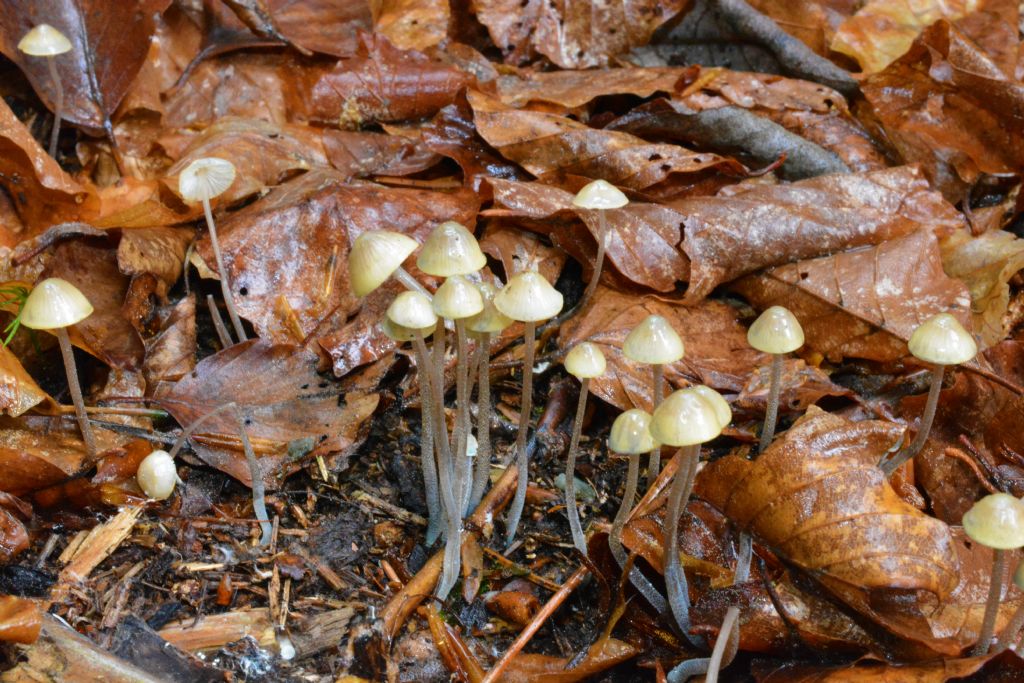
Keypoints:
pixel 20 619
pixel 295 414
pixel 752 227
pixel 863 303
pixel 817 497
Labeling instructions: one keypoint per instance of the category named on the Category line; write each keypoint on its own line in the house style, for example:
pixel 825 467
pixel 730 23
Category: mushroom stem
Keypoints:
pixel 657 384
pixel 1010 631
pixel 771 413
pixel 675 577
pixel 218 323
pixel 76 390
pixel 225 286
pixel 890 466
pixel 437 367
pixel 409 282
pixel 687 669
pixel 259 504
pixel 602 246
pixel 726 639
pixel 515 511
pixel 427 462
pixel 463 465
pixel 482 473
pixel 578 539
pixel 59 104
pixel 995 591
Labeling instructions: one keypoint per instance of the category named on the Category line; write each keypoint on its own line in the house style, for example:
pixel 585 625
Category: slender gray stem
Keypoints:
pixel 1010 631
pixel 515 510
pixel 59 108
pixel 995 592
pixel 225 285
pixel 410 283
pixel 927 418
pixel 675 577
pixel 636 577
pixel 427 463
pixel 657 391
pixel 746 554
pixel 76 391
pixel 463 465
pixel 482 473
pixel 578 539
pixel 218 323
pixel 725 638
pixel 259 504
pixel 686 670
pixel 771 413
pixel 602 246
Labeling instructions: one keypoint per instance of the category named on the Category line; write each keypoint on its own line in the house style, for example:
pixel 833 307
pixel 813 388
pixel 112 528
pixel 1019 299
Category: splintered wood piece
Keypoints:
pixel 87 550
pixel 217 630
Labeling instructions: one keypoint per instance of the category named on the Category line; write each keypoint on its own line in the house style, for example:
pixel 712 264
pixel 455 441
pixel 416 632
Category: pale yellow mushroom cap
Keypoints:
pixel 942 340
pixel 528 297
pixel 374 256
pixel 631 433
pixel 457 298
pixel 401 334
pixel 600 195
pixel 412 310
pixel 996 521
pixel 205 178
pixel 450 250
pixel 585 361
pixel 490 320
pixel 54 303
pixel 721 406
pixel 157 475
pixel 686 418
pixel 653 342
pixel 44 41
pixel 776 331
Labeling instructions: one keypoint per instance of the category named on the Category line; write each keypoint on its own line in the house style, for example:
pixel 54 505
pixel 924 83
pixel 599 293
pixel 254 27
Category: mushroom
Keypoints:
pixel 653 342
pixel 201 181
pixel 686 419
pixel 996 521
pixel 55 304
pixel 46 41
pixel 941 340
pixel 599 196
pixel 527 298
pixel 584 362
pixel 631 435
pixel 156 475
pixel 481 326
pixel 377 255
pixel 1013 626
pixel 778 332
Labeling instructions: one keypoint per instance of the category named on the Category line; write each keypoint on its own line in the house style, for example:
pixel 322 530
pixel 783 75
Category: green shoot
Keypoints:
pixel 13 295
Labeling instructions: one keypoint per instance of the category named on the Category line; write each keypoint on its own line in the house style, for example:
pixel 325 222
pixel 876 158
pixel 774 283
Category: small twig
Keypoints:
pixel 526 573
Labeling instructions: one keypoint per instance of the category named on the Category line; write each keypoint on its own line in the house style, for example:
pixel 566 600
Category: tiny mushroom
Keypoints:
pixel 653 342
pixel 527 298
pixel 44 40
pixel 55 304
pixel 377 255
pixel 157 476
pixel 996 521
pixel 778 332
pixel 584 362
pixel 941 340
pixel 599 196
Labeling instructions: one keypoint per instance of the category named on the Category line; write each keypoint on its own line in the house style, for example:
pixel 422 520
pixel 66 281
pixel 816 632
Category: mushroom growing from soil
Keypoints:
pixel 584 362
pixel 157 476
pixel 778 332
pixel 941 340
pixel 46 41
pixel 527 298
pixel 377 255
pixel 653 342
pixel 201 181
pixel 599 196
pixel 55 304
pixel 996 521
pixel 686 419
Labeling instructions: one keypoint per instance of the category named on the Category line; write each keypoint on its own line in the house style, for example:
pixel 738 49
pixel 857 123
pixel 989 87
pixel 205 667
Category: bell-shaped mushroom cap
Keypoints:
pixel 374 256
pixel 721 406
pixel 685 418
pixel 450 250
pixel 600 195
pixel 457 298
pixel 585 361
pixel 412 310
pixel 490 320
pixel 528 297
pixel 400 334
pixel 653 342
pixel 942 340
pixel 157 475
pixel 776 331
pixel 54 303
pixel 205 178
pixel 996 521
pixel 44 41
pixel 631 433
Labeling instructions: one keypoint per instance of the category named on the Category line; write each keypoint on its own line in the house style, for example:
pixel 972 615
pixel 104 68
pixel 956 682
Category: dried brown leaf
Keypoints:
pixel 20 619
pixel 361 153
pixel 159 251
pixel 411 24
pixel 18 391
